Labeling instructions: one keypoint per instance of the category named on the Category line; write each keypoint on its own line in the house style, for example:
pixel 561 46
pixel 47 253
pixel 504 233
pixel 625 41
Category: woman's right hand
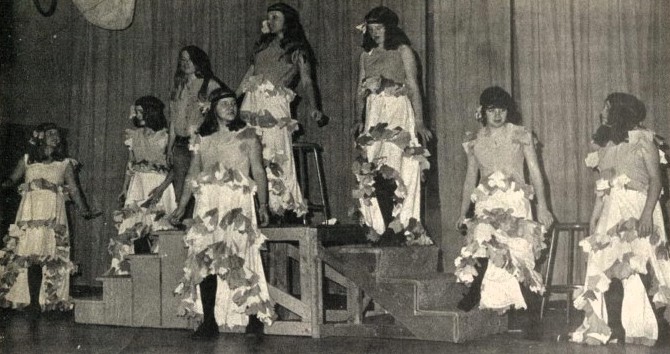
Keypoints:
pixel 177 214
pixel 357 129
pixel 460 222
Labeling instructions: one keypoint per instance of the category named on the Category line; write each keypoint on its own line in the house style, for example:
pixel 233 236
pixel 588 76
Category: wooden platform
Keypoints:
pixel 385 292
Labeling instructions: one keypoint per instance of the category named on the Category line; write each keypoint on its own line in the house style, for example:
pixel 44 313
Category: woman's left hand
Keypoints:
pixel 154 196
pixel 646 226
pixel 423 133
pixel 263 215
pixel 544 216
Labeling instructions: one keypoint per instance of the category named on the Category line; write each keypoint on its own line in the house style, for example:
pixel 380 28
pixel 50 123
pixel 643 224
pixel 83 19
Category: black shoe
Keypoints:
pixel 469 302
pixel 255 327
pixel 206 331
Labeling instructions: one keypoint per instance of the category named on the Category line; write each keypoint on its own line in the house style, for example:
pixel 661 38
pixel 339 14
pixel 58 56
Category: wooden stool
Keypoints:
pixel 571 229
pixel 302 151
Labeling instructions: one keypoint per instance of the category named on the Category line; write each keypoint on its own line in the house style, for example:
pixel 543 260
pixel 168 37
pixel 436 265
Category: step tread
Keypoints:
pixel 93 298
pixel 114 277
pixel 148 255
pixel 434 276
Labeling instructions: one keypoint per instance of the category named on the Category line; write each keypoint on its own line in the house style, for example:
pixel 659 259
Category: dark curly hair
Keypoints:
pixel 394 36
pixel 626 112
pixel 154 117
pixel 36 151
pixel 211 124
pixel 203 70
pixel 294 35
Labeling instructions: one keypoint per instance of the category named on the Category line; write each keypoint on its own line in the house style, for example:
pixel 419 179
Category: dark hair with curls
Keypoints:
pixel 203 70
pixel 154 117
pixel 294 35
pixel 394 36
pixel 211 123
pixel 36 149
pixel 625 114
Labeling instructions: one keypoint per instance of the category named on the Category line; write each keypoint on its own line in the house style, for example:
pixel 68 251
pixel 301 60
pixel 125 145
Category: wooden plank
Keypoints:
pixel 285 233
pixel 145 270
pixel 335 276
pixel 289 328
pixel 289 302
pixel 316 279
pixel 173 253
pixel 355 303
pixel 306 275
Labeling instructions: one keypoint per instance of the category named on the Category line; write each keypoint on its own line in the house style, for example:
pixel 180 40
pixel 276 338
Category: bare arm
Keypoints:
pixel 360 99
pixel 126 178
pixel 259 176
pixel 170 144
pixel 595 214
pixel 651 162
pixel 468 186
pixel 240 88
pixel 543 214
pixel 75 192
pixel 16 175
pixel 308 85
pixel 414 92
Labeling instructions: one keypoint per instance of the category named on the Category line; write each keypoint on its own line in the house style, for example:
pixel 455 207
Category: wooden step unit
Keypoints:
pixel 401 283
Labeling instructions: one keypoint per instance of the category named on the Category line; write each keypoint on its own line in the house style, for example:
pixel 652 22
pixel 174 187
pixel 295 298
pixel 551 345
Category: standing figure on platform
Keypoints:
pixel 627 232
pixel 502 241
pixel 35 264
pixel 282 60
pixel 193 82
pixel 391 159
pixel 147 196
pixel 224 278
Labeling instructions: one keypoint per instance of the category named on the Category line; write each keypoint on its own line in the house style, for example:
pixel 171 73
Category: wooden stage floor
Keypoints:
pixel 59 334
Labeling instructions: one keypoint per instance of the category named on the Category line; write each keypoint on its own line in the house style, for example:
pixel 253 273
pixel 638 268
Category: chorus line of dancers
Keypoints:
pixel 223 170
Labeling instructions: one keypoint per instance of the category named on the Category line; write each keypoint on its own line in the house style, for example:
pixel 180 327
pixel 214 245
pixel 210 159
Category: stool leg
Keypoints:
pixel 304 186
pixel 322 183
pixel 569 276
pixel 550 268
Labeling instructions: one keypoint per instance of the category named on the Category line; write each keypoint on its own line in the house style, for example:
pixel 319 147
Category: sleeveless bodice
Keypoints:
pixel 502 153
pixel 626 159
pixel 385 63
pixel 53 172
pixel 270 64
pixel 229 153
pixel 149 148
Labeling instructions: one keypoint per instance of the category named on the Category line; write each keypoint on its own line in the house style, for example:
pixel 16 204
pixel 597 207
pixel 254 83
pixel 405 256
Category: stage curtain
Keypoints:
pixel 470 49
pixel 568 55
pixel 110 69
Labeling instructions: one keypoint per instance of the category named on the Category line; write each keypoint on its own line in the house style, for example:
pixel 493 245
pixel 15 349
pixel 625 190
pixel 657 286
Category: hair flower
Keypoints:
pixel 363 27
pixel 204 106
pixel 478 114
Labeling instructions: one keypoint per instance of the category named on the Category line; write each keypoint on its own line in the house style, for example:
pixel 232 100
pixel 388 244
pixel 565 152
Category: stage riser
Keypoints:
pixel 405 283
pixel 401 280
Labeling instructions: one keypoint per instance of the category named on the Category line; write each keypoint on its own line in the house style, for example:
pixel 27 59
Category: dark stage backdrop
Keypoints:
pixel 559 58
